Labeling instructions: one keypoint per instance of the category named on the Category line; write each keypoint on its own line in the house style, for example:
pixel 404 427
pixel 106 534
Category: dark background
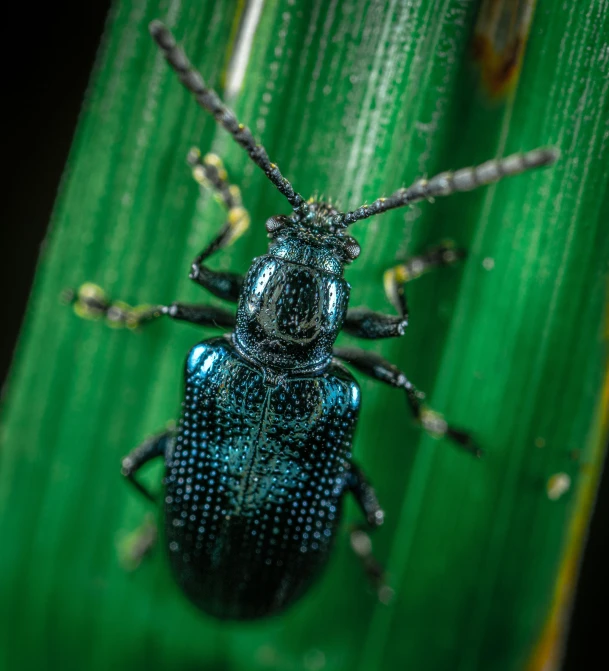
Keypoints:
pixel 48 51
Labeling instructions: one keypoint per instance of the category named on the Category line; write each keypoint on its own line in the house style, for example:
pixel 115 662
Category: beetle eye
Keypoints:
pixel 352 248
pixel 273 224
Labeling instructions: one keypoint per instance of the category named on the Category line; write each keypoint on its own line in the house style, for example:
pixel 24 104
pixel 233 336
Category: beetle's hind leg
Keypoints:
pixel 136 545
pixel 156 446
pixel 380 369
pixel 209 172
pixel 360 539
pixel 371 325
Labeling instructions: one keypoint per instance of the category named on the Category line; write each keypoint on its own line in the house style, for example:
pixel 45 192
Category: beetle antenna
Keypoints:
pixel 209 100
pixel 447 183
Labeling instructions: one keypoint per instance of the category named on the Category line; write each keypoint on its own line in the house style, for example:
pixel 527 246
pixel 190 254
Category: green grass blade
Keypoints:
pixel 353 100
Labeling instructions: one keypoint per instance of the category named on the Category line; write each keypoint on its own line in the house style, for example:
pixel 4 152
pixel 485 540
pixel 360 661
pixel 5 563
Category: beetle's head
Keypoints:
pixel 311 231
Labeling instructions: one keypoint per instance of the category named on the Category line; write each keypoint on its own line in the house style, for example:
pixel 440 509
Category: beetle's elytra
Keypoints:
pixel 260 460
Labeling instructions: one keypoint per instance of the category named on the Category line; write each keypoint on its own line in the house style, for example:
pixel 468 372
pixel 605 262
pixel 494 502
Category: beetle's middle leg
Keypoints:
pixel 377 367
pixel 360 539
pixel 365 323
pixel 209 171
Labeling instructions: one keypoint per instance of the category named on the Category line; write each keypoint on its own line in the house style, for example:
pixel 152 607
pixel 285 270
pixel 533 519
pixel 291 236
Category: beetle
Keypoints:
pixel 258 466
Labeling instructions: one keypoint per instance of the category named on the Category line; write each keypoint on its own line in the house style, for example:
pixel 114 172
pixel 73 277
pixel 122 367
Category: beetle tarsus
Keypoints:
pixel 210 172
pixel 134 547
pixel 394 279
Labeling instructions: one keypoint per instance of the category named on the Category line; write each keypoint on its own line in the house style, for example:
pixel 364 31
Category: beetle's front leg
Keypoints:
pixel 210 172
pixel 364 323
pixel 380 369
pixel 365 496
pixel 91 302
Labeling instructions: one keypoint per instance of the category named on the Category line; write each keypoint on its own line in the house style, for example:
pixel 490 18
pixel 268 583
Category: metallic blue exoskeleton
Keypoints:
pixel 254 487
pixel 260 461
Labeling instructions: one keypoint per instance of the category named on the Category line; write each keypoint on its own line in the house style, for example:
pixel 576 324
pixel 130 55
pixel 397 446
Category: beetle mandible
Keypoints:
pixel 260 460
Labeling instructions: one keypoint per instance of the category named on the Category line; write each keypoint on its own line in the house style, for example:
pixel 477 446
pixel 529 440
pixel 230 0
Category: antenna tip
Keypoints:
pixel 161 34
pixel 542 157
pixel 156 27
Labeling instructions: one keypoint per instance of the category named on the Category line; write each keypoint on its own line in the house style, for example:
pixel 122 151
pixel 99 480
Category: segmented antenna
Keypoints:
pixel 209 100
pixel 447 183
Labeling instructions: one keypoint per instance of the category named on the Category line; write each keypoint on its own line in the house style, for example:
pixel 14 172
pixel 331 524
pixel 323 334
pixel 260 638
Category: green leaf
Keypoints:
pixel 353 100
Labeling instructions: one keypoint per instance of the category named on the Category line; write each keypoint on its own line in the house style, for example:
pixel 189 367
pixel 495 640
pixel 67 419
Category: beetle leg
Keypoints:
pixel 360 540
pixel 203 315
pixel 371 325
pixel 134 546
pixel 91 302
pixel 210 172
pixel 380 369
pixel 364 323
pixel 153 447
pixel 444 254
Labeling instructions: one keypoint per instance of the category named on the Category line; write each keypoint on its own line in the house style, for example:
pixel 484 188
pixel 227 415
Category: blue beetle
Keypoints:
pixel 260 461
